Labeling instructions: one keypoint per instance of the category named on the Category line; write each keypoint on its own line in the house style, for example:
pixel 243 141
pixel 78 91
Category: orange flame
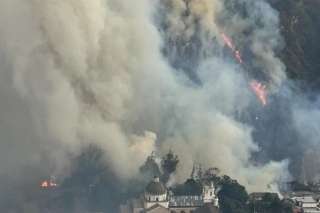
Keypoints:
pixel 260 90
pixel 228 41
pixel 45 184
pixel 48 184
pixel 238 56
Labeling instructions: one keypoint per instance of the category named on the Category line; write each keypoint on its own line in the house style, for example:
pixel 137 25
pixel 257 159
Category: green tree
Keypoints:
pixel 169 165
pixel 233 197
pixel 150 168
pixel 92 184
pixel 270 203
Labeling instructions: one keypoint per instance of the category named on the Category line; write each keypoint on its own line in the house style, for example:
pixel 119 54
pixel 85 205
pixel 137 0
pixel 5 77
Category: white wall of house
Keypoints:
pixel 151 200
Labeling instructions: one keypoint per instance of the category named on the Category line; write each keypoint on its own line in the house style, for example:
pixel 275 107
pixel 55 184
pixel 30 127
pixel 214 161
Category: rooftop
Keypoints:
pixel 155 187
pixel 306 199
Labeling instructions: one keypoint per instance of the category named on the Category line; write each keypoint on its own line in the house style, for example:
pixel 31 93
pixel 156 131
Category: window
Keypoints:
pixel 157 199
pixel 210 193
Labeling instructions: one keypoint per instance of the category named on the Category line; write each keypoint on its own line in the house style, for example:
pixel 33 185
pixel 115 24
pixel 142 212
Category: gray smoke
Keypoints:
pixel 193 31
pixel 78 72
pixel 306 117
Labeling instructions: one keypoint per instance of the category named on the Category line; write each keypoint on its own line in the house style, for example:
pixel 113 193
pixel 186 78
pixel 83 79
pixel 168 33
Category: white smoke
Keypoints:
pixel 306 117
pixel 252 24
pixel 77 72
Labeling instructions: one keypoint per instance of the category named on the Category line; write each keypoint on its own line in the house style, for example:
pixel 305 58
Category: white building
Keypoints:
pixel 307 203
pixel 156 193
pixel 157 199
pixel 209 195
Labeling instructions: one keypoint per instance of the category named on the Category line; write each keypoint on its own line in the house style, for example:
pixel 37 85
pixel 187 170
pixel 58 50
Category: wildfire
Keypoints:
pixel 260 90
pixel 48 184
pixel 238 56
pixel 228 41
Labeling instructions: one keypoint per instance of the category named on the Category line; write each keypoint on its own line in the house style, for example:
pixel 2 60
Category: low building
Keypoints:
pixel 307 204
pixel 158 199
pixel 259 196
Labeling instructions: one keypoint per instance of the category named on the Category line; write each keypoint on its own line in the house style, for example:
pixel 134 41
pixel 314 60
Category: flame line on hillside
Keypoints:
pixel 257 87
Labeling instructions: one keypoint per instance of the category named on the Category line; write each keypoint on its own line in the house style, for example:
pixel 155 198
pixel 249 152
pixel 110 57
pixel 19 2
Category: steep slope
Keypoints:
pixel 300 22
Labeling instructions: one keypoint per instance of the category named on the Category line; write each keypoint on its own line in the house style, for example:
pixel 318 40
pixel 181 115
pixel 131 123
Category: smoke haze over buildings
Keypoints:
pixel 133 77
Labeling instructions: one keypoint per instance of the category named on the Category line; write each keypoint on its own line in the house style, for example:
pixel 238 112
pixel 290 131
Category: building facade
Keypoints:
pixel 307 204
pixel 158 199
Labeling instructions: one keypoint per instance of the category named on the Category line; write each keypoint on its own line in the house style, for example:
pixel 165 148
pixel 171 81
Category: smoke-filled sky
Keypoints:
pixel 138 76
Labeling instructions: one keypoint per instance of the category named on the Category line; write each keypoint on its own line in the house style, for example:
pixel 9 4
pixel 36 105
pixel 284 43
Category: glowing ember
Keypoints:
pixel 52 184
pixel 48 184
pixel 238 56
pixel 260 90
pixel 45 184
pixel 228 41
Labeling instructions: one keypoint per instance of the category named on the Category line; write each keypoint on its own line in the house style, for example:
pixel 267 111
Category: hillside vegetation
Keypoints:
pixel 300 25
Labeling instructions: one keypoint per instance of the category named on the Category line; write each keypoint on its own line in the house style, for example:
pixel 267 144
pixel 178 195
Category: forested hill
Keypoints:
pixel 300 24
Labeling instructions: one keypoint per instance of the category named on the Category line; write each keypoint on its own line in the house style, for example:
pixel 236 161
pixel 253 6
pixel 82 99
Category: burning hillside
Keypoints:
pixel 133 77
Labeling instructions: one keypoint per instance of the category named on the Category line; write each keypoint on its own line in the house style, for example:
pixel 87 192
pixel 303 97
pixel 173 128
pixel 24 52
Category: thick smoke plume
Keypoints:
pixel 194 28
pixel 134 77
